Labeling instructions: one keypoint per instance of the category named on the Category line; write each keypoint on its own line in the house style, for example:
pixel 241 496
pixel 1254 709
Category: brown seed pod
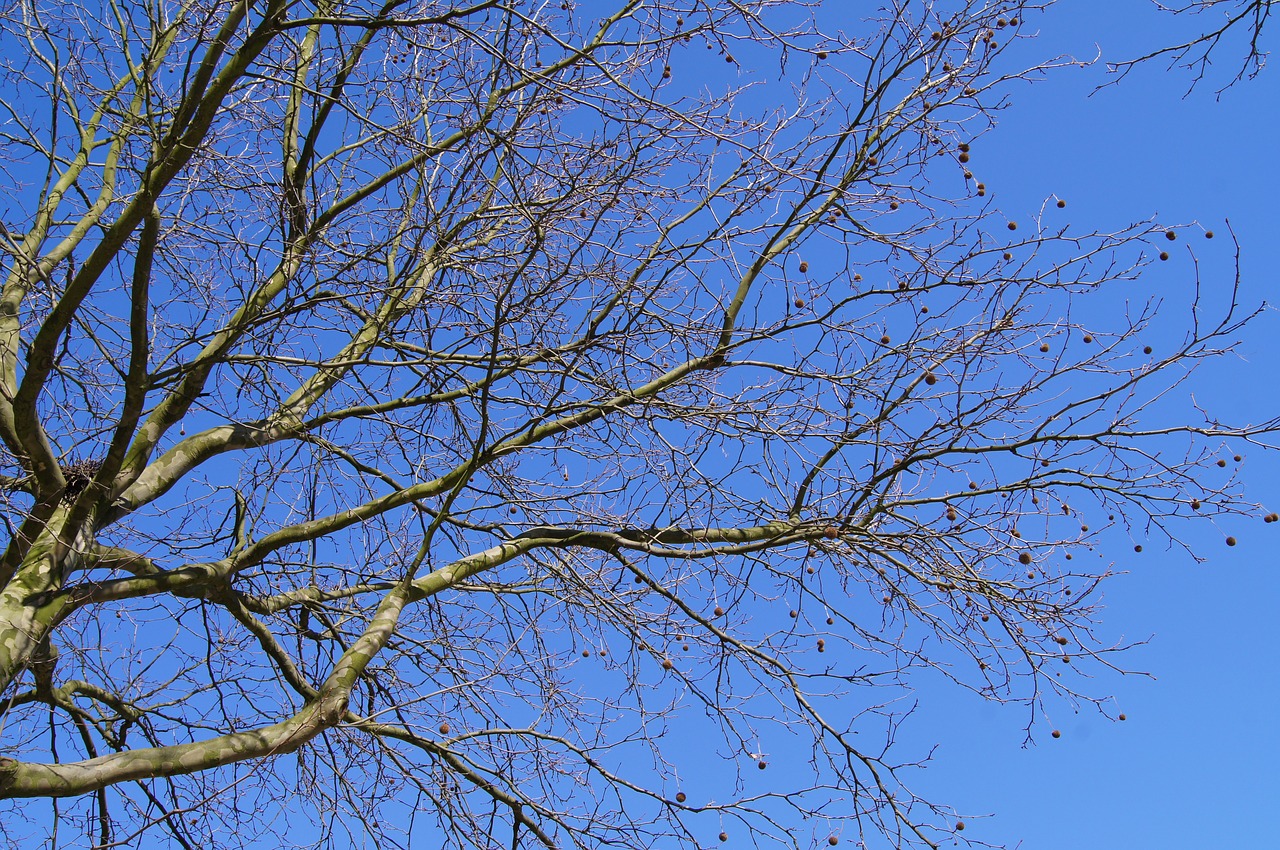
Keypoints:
pixel 822 54
pixel 1055 733
pixel 1122 717
pixel 724 836
pixel 1170 235
pixel 964 157
pixel 680 798
pixel 1237 458
pixel 514 510
pixel 799 303
pixel 833 841
pixel 793 613
pixel 1013 225
pixel 762 764
pixel 1031 575
pixel 884 340
pixel 1208 234
pixel 804 267
pixel 666 664
pixel 1087 339
pixel 1195 504
pixel 1061 204
pixel 930 379
pixel 1231 541
pixel 951 514
pixel 1137 547
pixel 831 532
pixel 893 205
pixel 963 147
pixel 831 621
pixel 719 612
pixel 1008 256
pixel 1044 348
pixel 1221 463
pixel 586 653
pixel 1164 255
pixel 444 728
pixel 959 826
pixel 1024 558
pixel 1146 349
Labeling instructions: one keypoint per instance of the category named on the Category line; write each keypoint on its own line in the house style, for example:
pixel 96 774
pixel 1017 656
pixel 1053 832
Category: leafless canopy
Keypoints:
pixel 513 424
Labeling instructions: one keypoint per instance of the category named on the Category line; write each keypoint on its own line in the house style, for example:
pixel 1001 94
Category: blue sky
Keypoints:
pixel 1194 765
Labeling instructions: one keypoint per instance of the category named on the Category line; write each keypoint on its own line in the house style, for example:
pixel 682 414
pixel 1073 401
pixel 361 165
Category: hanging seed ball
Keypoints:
pixel 804 267
pixel 1024 558
pixel 1031 575
pixel 924 309
pixel 1195 504
pixel 719 612
pixel 822 645
pixel 762 764
pixel 833 841
pixel 728 57
pixel 1164 255
pixel 1208 234
pixel 968 175
pixel 857 277
pixel 1013 22
pixel 831 532
pixel 1275 517
pixel 1137 548
pixel 1013 225
pixel 985 617
pixel 831 621
pixel 886 599
pixel 1061 204
pixel 680 798
pixel 666 664
pixel 586 653
pixel 951 514
pixel 799 303
pixel 1237 458
pixel 444 728
pixel 684 648
pixel 1170 235
pixel 724 836
pixel 893 205
pixel 1055 733
pixel 884 340
pixel 973 485
pixel 514 510
pixel 793 613
pixel 930 379
pixel 871 160
pixel 959 826
pixel 982 193
pixel 1146 349
pixel 822 54
pixel 1122 717
pixel 1008 256
pixel 809 570
pixel 1044 348
pixel 1231 541
pixel 963 147
pixel 1221 463
pixel 964 157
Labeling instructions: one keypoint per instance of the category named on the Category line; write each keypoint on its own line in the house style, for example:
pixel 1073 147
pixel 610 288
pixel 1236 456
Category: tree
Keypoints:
pixel 476 421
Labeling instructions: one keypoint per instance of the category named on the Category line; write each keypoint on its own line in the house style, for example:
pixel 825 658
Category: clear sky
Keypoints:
pixel 1195 764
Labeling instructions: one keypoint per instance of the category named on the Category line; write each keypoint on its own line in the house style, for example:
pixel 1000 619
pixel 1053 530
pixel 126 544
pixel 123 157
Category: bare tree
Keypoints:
pixel 1233 17
pixel 472 424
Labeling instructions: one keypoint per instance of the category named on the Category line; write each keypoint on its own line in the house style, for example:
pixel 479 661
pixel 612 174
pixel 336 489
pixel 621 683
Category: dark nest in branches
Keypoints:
pixel 78 474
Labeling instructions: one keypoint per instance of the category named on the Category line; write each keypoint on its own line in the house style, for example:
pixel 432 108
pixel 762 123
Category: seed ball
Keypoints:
pixel 680 798
pixel 1221 463
pixel 930 379
pixel 1231 541
pixel 833 841
pixel 1237 458
pixel 831 621
pixel 809 570
pixel 963 147
pixel 1013 225
pixel 831 533
pixel 804 267
pixel 1146 349
pixel 762 764
pixel 924 309
pixel 871 160
pixel 514 510
pixel 1013 22
pixel 1137 548
pixel 982 193
pixel 1164 255
pixel 666 664
pixel 793 614
pixel 586 653
pixel 444 728
pixel 1275 517
pixel 884 340
pixel 1061 204
pixel 1055 733
pixel 964 157
pixel 822 54
pixel 893 205
pixel 959 826
pixel 1024 558
pixel 1170 235
pixel 1008 256
pixel 728 58
pixel 973 485
pixel 1031 575
pixel 1195 504
pixel 1208 234
pixel 857 277
pixel 719 612
pixel 1044 348
pixel 985 617
pixel 724 836
pixel 799 303
pixel 886 600
pixel 951 514
pixel 1122 717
